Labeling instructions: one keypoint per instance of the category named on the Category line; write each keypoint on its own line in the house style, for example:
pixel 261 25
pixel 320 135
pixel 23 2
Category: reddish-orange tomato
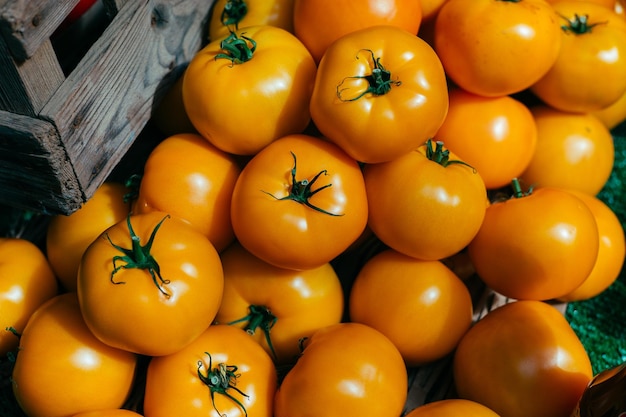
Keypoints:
pixel 522 359
pixel 189 178
pixel 379 93
pixel 611 252
pixel 27 281
pixel 150 284
pixel 68 237
pixel 318 23
pixel 346 369
pixel 588 73
pixel 223 372
pixel 299 203
pixel 495 135
pixel 536 245
pixel 453 407
pixel 61 368
pixel 574 151
pixel 426 204
pixel 497 47
pixel 430 311
pixel 277 306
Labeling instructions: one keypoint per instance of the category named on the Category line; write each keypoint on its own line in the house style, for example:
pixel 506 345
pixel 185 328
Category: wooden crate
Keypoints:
pixel 63 131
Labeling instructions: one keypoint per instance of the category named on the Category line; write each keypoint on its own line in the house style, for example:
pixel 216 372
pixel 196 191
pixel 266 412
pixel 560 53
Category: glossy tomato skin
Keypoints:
pixel 188 177
pixel 589 71
pixel 27 282
pixel 374 124
pixel 294 304
pixel 424 209
pixel 116 412
pixel 538 246
pixel 318 23
pixel 516 356
pixel 574 151
pixel 159 317
pixel 290 234
pixel 431 308
pixel 174 387
pixel 495 48
pixel 241 107
pixel 611 251
pixel 229 15
pixel 614 114
pixel 345 370
pixel 61 368
pixel 495 135
pixel 67 237
pixel 452 408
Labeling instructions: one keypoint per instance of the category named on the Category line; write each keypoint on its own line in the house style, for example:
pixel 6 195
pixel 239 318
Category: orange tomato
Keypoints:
pixel 611 252
pixel 606 3
pixel 430 8
pixel 117 412
pixel 75 372
pixel 574 151
pixel 588 73
pixel 150 284
pixel 536 245
pixel 614 114
pixel 27 282
pixel 318 23
pixel 431 308
pixel 299 203
pixel 453 407
pixel 379 93
pixel 68 237
pixel 522 359
pixel 188 177
pixel 495 135
pixel 497 47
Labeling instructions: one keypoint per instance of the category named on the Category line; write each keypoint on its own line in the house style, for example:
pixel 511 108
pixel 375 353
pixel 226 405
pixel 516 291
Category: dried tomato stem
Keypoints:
pixel 220 380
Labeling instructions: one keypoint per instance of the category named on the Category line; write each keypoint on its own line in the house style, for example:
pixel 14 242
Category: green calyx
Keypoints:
pixel 220 380
pixel 237 49
pixel 517 189
pixel 579 24
pixel 234 11
pixel 379 80
pixel 259 317
pixel 441 155
pixel 139 257
pixel 301 191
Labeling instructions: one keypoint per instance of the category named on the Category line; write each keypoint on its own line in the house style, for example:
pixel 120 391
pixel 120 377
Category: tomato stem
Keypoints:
pixel 579 24
pixel 517 189
pixel 259 317
pixel 301 190
pixel 219 380
pixel 237 49
pixel 139 257
pixel 234 11
pixel 441 155
pixel 379 81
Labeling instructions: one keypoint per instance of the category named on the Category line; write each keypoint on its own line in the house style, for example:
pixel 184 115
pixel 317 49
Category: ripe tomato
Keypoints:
pixel 68 237
pixel 223 372
pixel 345 370
pixel 299 203
pixel 189 178
pixel 496 47
pixel 453 407
pixel 611 252
pixel 426 204
pixel 522 359
pixel 117 412
pixel 589 72
pixel 536 245
pixel 606 3
pixel 150 284
pixel 495 135
pixel 574 151
pixel 61 368
pixel 431 308
pixel 228 15
pixel 379 93
pixel 430 8
pixel 614 114
pixel 318 23
pixel 278 307
pixel 245 91
pixel 27 282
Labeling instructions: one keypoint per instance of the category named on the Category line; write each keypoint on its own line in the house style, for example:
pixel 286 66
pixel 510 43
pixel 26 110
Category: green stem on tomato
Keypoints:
pixel 259 317
pixel 579 25
pixel 220 380
pixel 441 155
pixel 233 13
pixel 517 189
pixel 237 49
pixel 379 80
